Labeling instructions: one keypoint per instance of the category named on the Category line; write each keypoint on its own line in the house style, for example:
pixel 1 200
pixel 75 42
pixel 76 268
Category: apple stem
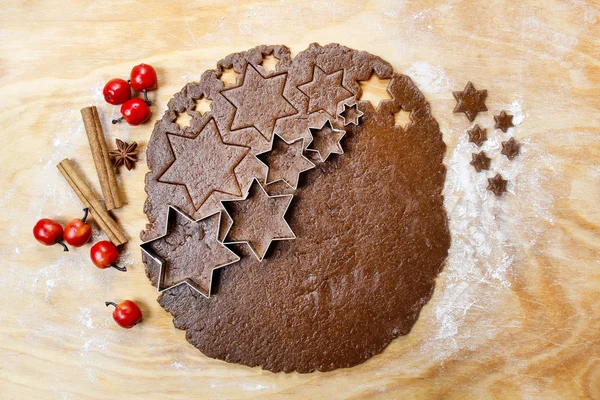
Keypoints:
pixel 116 121
pixel 122 269
pixel 65 248
pixel 146 97
pixel 86 211
pixel 110 303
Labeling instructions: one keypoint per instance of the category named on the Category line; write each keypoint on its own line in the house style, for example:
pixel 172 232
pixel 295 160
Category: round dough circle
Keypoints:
pixel 371 227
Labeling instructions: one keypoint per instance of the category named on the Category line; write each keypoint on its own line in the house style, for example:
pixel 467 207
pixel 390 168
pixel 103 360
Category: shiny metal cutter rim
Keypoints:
pixel 345 106
pixel 258 257
pixel 163 262
pixel 267 183
pixel 328 120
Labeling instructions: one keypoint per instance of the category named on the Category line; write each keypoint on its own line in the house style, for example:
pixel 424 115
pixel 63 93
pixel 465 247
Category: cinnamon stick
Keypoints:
pixel 104 167
pixel 112 229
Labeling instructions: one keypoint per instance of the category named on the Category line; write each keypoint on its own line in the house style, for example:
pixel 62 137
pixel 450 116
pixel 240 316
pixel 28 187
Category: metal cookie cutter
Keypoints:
pixel 164 263
pixel 357 114
pixel 302 160
pixel 340 134
pixel 258 253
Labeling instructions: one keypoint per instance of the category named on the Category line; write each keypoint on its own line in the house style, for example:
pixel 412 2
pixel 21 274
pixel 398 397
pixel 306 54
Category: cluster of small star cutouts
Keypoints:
pixel 471 101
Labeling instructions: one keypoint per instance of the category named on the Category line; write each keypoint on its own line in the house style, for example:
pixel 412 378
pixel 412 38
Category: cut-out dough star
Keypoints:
pixel 480 161
pixel 510 148
pixel 285 161
pixel 189 252
pixel 503 121
pixel 477 135
pixel 326 140
pixel 258 219
pixel 470 101
pixel 259 102
pixel 350 114
pixel 497 185
pixel 325 91
pixel 204 164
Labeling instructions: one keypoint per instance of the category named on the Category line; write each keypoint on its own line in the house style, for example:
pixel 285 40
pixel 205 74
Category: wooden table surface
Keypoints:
pixel 516 311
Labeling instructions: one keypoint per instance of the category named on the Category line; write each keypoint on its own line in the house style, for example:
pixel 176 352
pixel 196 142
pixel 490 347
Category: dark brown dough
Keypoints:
pixel 371 227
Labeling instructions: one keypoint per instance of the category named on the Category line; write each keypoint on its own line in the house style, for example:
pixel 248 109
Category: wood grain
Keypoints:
pixel 516 312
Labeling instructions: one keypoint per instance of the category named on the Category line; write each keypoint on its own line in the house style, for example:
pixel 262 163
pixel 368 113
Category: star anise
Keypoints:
pixel 125 154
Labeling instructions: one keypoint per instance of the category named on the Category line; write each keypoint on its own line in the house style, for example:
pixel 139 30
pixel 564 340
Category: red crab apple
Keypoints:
pixel 143 79
pixel 116 91
pixel 49 232
pixel 135 111
pixel 126 313
pixel 104 254
pixel 77 232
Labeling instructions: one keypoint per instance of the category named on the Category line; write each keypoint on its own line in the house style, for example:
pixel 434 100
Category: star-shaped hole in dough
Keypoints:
pixel 403 118
pixel 351 114
pixel 204 164
pixel 259 102
pixel 503 121
pixel 511 148
pixel 470 101
pixel 326 140
pixel 477 135
pixel 183 119
pixel 497 185
pixel 375 90
pixel 189 252
pixel 229 77
pixel 269 63
pixel 480 161
pixel 203 106
pixel 285 161
pixel 325 91
pixel 258 219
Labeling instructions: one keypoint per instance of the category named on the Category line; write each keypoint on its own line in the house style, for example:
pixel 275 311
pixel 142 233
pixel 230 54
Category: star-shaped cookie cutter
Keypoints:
pixel 267 182
pixel 346 107
pixel 341 149
pixel 258 256
pixel 162 262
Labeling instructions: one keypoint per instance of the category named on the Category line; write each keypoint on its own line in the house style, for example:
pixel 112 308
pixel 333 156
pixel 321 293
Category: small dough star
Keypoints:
pixel 497 185
pixel 477 135
pixel 259 102
pixel 204 164
pixel 480 161
pixel 503 121
pixel 186 240
pixel 350 114
pixel 510 148
pixel 326 140
pixel 325 91
pixel 285 161
pixel 258 219
pixel 470 101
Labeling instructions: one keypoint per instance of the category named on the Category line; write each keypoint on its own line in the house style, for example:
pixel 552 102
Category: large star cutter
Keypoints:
pixel 267 182
pixel 197 188
pixel 163 263
pixel 245 103
pixel 339 145
pixel 258 256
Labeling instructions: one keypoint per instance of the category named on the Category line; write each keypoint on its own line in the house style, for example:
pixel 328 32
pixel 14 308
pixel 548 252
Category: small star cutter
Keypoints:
pixel 347 106
pixel 267 183
pixel 162 262
pixel 258 257
pixel 327 121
